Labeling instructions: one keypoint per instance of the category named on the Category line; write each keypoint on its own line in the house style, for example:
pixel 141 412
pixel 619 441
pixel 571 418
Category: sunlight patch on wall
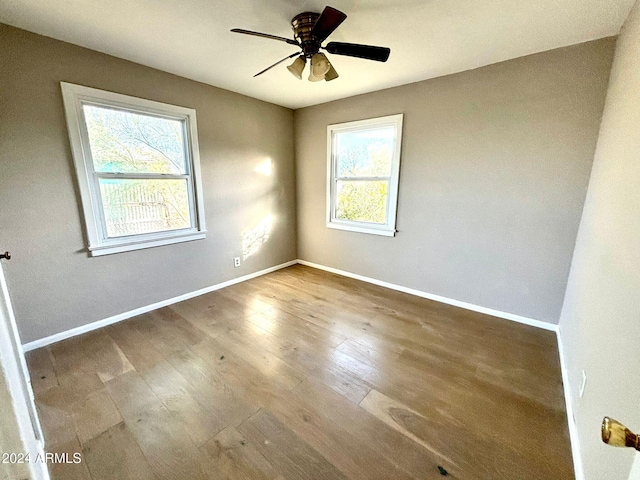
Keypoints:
pixel 265 168
pixel 255 237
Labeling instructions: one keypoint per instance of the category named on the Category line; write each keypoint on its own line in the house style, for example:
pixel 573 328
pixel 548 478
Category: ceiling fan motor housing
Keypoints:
pixel 302 26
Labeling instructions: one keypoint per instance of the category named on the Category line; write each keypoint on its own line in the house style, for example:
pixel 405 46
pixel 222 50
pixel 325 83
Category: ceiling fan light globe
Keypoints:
pixel 331 74
pixel 313 78
pixel 297 67
pixel 320 65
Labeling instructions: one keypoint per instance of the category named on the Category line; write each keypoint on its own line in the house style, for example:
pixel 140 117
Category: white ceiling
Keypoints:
pixel 428 38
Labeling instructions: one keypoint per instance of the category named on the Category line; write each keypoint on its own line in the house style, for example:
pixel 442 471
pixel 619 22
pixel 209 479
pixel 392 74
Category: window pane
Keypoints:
pixel 362 201
pixel 134 143
pixel 132 207
pixel 365 153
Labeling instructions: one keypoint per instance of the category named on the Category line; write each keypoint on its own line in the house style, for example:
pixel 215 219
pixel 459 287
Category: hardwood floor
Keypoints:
pixel 302 374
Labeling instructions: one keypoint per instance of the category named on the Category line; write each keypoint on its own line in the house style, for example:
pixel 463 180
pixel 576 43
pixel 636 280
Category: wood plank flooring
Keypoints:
pixel 302 374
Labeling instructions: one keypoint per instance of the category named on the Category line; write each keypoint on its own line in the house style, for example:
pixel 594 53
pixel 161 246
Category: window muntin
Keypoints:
pixel 138 170
pixel 363 169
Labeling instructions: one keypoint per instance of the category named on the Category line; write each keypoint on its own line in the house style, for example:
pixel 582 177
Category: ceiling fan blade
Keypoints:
pixel 379 54
pixel 327 23
pixel 277 63
pixel 265 35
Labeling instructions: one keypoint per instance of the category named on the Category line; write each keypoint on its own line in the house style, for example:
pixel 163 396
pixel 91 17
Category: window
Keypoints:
pixel 363 167
pixel 138 170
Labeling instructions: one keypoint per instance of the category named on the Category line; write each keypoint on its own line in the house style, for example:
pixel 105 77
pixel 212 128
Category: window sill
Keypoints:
pixel 362 229
pixel 126 245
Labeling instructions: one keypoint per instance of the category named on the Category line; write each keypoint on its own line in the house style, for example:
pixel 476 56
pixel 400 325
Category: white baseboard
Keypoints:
pixel 573 429
pixel 437 298
pixel 43 342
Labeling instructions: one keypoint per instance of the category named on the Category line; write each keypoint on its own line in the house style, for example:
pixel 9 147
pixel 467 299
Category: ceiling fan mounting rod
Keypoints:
pixel 302 25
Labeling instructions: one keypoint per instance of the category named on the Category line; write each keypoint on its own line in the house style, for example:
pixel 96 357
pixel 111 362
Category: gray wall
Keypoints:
pixel 600 323
pixel 494 171
pixel 54 284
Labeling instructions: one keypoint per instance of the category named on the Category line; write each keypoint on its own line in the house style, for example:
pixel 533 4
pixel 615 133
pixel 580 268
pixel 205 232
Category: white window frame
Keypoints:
pixel 388 229
pixel 74 97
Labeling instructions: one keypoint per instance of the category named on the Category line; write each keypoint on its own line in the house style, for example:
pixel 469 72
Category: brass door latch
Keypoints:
pixel 616 434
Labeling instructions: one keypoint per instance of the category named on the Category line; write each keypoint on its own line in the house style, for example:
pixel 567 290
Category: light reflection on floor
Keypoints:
pixel 264 321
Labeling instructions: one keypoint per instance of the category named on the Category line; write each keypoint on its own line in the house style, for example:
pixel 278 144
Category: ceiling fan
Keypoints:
pixel 309 31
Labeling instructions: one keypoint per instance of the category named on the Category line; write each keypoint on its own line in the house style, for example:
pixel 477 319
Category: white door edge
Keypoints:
pixel 14 366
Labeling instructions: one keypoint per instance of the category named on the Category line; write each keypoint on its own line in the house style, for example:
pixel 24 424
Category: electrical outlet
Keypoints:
pixel 236 262
pixel 583 384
